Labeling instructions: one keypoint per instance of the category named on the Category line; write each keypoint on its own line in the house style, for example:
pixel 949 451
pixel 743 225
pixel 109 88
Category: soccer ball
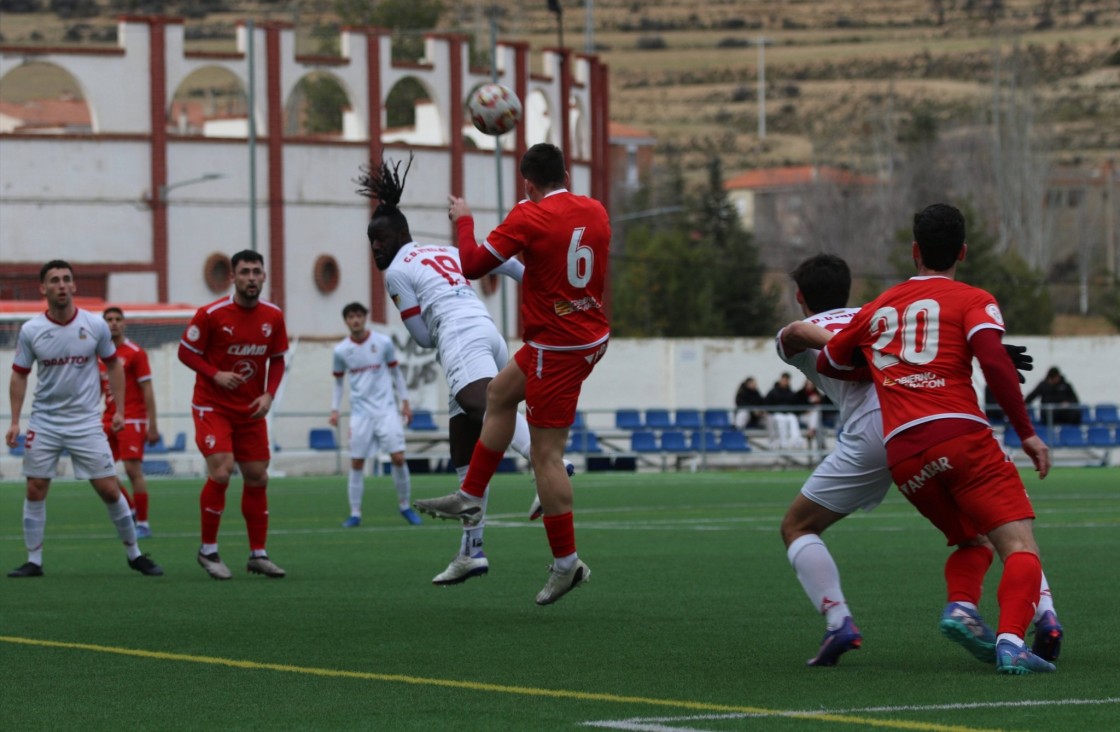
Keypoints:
pixel 494 109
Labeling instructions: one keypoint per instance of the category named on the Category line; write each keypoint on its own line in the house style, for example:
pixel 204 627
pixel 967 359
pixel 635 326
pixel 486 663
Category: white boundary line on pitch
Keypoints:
pixel 673 724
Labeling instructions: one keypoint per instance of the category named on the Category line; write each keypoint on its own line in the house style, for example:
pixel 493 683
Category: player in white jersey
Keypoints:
pixel 441 310
pixel 370 361
pixel 855 474
pixel 66 342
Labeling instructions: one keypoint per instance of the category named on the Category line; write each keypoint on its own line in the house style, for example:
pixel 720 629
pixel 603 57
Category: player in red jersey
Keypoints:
pixel 565 242
pixel 237 346
pixel 919 338
pixel 140 425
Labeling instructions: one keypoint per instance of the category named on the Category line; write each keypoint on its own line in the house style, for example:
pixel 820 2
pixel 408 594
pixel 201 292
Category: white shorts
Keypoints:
pixel 468 354
pixel 88 447
pixel 855 474
pixel 372 435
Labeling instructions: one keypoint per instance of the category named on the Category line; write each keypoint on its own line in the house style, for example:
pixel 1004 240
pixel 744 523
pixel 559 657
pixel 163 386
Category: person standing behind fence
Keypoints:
pixel 140 425
pixel 236 346
pixel 565 240
pixel 375 423
pixel 66 342
pixel 1058 399
pixel 782 422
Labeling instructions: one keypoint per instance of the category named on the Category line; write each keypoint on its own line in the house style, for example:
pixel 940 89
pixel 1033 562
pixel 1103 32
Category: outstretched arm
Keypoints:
pixel 476 259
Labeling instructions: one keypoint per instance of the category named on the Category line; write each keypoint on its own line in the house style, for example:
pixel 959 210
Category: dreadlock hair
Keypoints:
pixel 386 184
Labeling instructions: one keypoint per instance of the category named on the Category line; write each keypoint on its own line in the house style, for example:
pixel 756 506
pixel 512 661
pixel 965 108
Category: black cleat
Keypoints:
pixel 27 569
pixel 144 565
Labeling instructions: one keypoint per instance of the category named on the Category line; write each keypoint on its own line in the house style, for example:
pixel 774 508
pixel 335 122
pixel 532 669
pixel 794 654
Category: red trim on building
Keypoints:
pixel 600 98
pixel 565 102
pixel 378 311
pixel 157 91
pixel 276 263
pixel 455 124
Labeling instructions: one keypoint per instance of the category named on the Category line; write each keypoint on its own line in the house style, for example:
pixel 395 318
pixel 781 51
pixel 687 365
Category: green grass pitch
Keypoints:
pixel 692 619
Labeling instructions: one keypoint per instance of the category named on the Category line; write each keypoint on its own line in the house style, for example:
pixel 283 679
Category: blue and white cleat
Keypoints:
pixel 462 568
pixel 410 516
pixel 836 643
pixel 966 628
pixel 1013 659
pixel 352 523
pixel 143 531
pixel 1047 637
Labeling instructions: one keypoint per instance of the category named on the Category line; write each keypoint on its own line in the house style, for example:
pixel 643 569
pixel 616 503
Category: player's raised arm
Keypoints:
pixel 477 259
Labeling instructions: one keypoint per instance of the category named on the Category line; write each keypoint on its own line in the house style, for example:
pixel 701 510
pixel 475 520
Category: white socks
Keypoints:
pixel 402 481
pixel 520 443
pixel 471 543
pixel 34 526
pixel 355 488
pixel 819 577
pixel 121 516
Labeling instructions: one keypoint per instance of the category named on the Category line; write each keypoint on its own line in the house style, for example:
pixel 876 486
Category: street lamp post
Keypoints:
pixel 165 189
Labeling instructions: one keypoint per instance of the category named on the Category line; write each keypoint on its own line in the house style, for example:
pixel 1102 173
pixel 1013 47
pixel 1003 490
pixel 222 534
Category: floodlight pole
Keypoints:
pixel 250 50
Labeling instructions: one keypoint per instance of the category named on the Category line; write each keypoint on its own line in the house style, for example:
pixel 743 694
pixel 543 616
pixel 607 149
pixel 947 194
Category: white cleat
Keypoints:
pixel 265 566
pixel 214 566
pixel 462 568
pixel 454 506
pixel 560 583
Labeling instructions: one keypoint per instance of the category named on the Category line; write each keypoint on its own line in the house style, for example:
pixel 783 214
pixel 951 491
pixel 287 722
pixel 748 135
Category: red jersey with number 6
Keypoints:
pixel 238 339
pixel 565 240
pixel 921 362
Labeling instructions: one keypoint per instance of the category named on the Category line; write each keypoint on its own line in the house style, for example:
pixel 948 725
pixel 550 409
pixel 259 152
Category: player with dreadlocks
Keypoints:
pixel 441 311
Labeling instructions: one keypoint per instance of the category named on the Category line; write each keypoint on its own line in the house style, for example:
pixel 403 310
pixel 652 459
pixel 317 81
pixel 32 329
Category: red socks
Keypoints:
pixel 1018 592
pixel 212 501
pixel 141 506
pixel 484 463
pixel 964 573
pixel 561 532
pixel 254 507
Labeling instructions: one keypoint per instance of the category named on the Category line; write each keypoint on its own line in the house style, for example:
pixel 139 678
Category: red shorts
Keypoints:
pixel 965 486
pixel 217 432
pixel 128 444
pixel 553 380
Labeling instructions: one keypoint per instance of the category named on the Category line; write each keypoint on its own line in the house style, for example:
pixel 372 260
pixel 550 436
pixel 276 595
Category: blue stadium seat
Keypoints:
pixel 17 451
pixel 583 441
pixel 628 419
pixel 157 449
pixel 1045 433
pixel 688 419
pixel 673 441
pixel 180 444
pixel 423 421
pixel 658 419
pixel 1107 415
pixel 643 441
pixel 1070 435
pixel 716 419
pixel 1011 437
pixel 157 467
pixel 733 441
pixel 1101 436
pixel 1086 414
pixel 704 441
pixel 580 422
pixel 322 438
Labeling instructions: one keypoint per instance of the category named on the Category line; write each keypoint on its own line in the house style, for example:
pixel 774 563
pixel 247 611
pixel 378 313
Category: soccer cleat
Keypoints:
pixel 143 531
pixel 1047 637
pixel 1014 659
pixel 265 566
pixel 560 583
pixel 836 643
pixel 535 510
pixel 352 523
pixel 27 569
pixel 145 566
pixel 454 506
pixel 462 568
pixel 410 516
pixel 214 566
pixel 965 627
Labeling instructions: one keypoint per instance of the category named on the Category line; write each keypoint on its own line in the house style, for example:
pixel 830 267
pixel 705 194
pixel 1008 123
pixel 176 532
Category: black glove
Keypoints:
pixel 1023 361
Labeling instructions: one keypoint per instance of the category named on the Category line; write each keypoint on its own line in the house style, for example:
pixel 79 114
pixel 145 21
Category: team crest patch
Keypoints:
pixel 81 334
pixel 192 333
pixel 993 312
pixel 210 442
pixel 267 330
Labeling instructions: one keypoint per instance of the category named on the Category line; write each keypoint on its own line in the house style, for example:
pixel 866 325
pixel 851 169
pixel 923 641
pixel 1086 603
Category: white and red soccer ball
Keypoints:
pixel 494 109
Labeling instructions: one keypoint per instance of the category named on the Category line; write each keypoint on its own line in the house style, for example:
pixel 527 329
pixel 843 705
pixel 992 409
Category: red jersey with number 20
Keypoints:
pixel 238 339
pixel 920 358
pixel 565 240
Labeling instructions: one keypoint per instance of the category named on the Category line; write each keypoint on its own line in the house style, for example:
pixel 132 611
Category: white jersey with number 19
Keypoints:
pixel 427 280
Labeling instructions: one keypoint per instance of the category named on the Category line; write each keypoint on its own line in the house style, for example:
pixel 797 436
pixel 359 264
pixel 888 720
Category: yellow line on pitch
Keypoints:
pixel 498 688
